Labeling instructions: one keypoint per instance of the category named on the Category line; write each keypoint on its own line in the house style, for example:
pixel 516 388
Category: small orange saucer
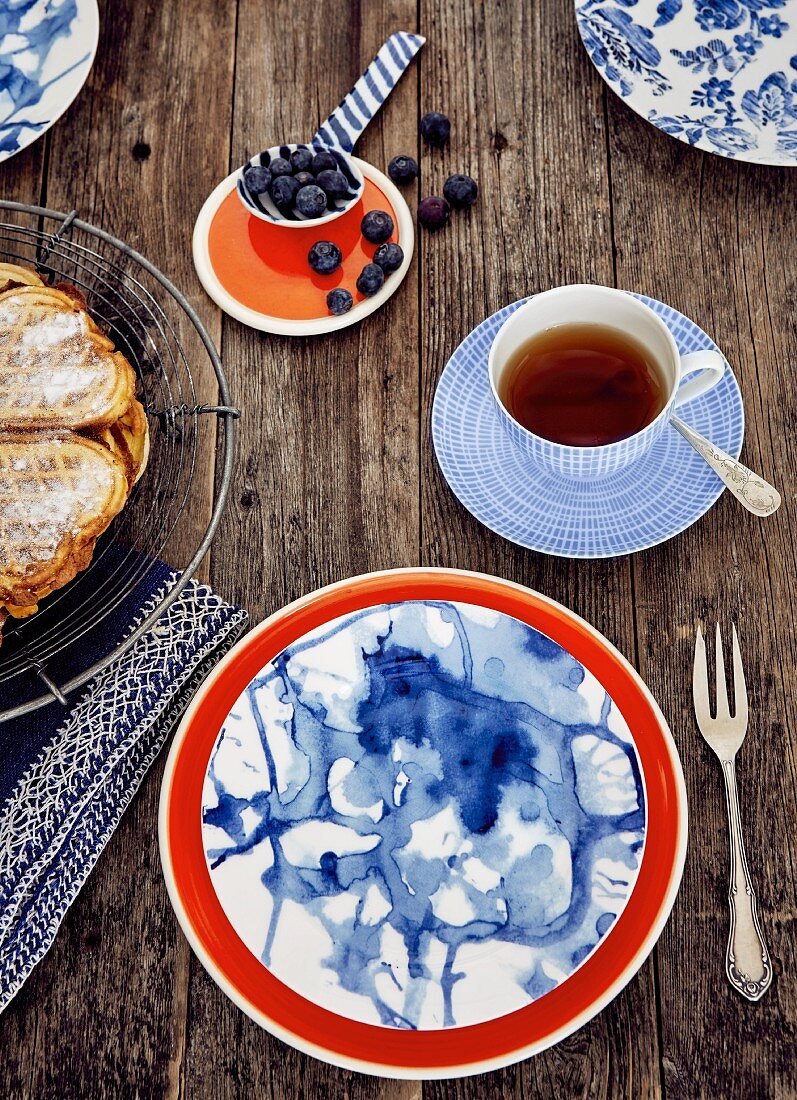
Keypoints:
pixel 258 272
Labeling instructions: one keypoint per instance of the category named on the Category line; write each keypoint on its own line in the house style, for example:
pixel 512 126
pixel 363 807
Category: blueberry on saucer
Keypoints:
pixel 324 257
pixel 377 226
pixel 389 257
pixel 339 301
pixel 370 280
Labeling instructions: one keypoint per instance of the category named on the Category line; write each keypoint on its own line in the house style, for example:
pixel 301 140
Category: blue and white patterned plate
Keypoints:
pixel 437 802
pixel 718 74
pixel 646 503
pixel 46 51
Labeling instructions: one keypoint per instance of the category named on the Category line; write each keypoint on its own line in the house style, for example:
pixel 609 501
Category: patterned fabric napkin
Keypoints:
pixel 67 775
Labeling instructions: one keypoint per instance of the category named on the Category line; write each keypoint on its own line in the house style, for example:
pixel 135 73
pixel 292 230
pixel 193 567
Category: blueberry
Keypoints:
pixel 257 179
pixel 433 212
pixel 461 191
pixel 435 129
pixel 389 257
pixel 403 169
pixel 303 178
pixel 339 301
pixel 280 167
pixel 370 280
pixel 323 162
pixel 376 226
pixel 301 159
pixel 283 192
pixel 334 183
pixel 311 201
pixel 324 257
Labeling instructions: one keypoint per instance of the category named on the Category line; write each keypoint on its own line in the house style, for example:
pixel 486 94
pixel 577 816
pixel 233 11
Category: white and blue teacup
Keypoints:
pixel 587 303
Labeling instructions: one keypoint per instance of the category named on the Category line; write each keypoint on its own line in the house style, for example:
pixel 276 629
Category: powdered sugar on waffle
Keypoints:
pixel 56 361
pixel 40 510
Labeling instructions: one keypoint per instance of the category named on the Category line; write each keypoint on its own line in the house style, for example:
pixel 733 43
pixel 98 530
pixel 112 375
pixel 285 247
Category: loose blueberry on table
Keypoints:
pixel 389 257
pixel 403 169
pixel 325 257
pixel 460 191
pixel 433 212
pixel 435 129
pixel 376 226
pixel 370 280
pixel 339 301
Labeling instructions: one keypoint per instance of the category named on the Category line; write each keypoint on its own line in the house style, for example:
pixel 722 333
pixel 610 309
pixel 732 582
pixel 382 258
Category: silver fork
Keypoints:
pixel 747 961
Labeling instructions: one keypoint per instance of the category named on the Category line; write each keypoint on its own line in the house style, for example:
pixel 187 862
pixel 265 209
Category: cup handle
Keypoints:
pixel 710 363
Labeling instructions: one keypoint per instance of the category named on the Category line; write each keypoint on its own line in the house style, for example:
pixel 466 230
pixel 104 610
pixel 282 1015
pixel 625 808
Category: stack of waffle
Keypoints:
pixel 73 437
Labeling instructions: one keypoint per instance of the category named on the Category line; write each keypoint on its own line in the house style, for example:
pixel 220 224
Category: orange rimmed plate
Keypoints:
pixel 433 618
pixel 258 272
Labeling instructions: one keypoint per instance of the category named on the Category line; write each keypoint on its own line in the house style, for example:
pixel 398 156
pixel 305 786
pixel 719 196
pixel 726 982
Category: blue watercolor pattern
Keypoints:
pixel 423 815
pixel 32 33
pixel 725 70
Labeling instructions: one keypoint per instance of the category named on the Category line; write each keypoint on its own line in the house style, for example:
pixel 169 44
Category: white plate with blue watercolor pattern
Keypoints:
pixel 717 74
pixel 647 503
pixel 46 51
pixel 406 841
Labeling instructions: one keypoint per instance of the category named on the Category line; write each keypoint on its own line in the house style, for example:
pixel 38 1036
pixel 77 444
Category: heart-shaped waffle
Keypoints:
pixel 57 370
pixel 57 494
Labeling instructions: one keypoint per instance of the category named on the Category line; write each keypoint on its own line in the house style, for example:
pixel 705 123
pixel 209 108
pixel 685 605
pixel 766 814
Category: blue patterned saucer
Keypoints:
pixel 646 503
pixel 718 74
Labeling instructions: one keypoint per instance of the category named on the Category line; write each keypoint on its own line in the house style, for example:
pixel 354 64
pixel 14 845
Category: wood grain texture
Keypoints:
pixel 544 218
pixel 105 1012
pixel 335 475
pixel 710 239
pixel 326 480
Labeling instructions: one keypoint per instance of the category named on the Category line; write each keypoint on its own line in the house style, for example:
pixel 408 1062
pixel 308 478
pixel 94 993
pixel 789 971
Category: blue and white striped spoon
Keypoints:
pixel 339 133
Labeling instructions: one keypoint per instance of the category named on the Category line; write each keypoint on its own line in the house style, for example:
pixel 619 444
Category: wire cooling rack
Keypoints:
pixel 159 333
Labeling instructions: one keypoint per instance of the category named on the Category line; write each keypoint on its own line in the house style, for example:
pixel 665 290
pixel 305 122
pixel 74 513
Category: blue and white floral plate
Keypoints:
pixel 46 51
pixel 718 74
pixel 646 503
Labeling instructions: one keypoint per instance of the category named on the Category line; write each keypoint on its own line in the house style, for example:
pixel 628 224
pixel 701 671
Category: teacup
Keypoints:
pixel 591 304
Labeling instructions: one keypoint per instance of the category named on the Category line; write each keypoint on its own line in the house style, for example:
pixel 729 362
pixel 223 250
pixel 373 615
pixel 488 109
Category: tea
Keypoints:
pixel 583 385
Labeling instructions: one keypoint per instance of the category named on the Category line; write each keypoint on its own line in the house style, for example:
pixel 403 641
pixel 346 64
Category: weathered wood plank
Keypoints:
pixel 105 1012
pixel 326 482
pixel 712 238
pixel 22 179
pixel 505 74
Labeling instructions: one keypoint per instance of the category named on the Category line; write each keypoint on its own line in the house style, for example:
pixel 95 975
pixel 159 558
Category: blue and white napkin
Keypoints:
pixel 68 774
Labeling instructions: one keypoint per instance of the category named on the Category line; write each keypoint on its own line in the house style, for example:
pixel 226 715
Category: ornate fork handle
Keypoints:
pixel 747 963
pixel 757 495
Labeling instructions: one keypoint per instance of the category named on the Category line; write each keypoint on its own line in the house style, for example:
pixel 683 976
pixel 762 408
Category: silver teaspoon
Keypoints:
pixel 757 495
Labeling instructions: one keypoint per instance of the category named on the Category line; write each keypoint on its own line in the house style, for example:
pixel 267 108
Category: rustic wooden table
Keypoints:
pixel 335 475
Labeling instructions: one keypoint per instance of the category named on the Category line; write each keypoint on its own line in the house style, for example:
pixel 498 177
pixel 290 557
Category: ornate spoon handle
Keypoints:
pixel 747 961
pixel 756 495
